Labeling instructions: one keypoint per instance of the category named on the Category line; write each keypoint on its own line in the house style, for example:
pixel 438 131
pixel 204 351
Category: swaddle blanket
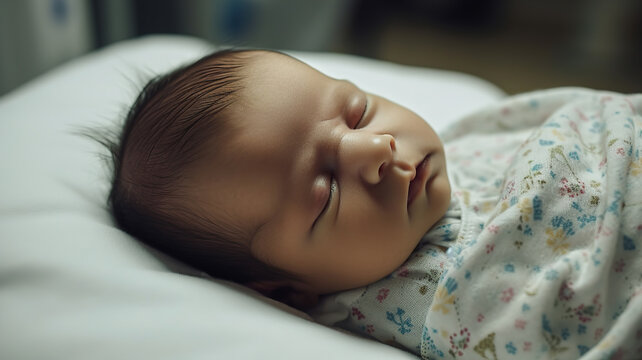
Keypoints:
pixel 554 270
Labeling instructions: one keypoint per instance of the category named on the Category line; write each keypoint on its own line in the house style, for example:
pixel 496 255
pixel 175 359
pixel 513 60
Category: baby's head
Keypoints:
pixel 254 167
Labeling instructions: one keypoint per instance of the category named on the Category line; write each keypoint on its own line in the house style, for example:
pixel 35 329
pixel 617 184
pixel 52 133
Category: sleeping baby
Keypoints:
pixel 256 168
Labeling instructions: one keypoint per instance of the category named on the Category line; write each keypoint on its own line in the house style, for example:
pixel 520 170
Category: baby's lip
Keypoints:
pixel 419 180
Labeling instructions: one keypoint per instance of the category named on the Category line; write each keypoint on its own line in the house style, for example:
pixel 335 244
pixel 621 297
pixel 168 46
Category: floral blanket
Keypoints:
pixel 555 269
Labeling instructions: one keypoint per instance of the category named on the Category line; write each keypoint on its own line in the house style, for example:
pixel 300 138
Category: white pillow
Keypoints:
pixel 73 286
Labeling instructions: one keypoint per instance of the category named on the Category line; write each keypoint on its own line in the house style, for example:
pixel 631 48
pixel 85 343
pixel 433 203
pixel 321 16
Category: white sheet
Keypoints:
pixel 73 286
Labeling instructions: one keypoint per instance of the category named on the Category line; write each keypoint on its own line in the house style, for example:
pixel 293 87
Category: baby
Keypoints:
pixel 254 167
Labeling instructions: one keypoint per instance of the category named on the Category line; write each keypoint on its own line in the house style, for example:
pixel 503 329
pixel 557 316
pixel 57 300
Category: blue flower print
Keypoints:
pixel 586 219
pixel 615 204
pixel 597 127
pixel 510 348
pixel 545 324
pixel 562 222
pixel 594 257
pixel 628 243
pixel 405 324
pixel 537 208
pixel 566 333
pixel 451 285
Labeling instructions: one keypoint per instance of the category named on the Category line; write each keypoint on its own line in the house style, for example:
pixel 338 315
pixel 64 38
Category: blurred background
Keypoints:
pixel 519 45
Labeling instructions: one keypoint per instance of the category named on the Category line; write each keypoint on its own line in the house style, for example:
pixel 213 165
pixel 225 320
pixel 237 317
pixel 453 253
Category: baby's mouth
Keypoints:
pixel 416 184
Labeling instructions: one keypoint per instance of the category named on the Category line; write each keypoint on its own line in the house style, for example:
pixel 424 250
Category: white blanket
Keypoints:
pixel 555 270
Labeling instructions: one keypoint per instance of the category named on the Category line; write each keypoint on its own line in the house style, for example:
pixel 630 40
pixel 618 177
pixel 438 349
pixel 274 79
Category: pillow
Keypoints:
pixel 74 286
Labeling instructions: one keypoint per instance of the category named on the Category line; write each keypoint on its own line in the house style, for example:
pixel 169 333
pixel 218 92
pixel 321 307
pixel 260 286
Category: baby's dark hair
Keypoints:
pixel 166 129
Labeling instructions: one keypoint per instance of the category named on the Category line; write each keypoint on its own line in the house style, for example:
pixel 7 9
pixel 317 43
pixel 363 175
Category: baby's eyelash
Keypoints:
pixel 333 189
pixel 365 109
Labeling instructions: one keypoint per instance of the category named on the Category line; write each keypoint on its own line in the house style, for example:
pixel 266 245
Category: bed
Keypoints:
pixel 74 286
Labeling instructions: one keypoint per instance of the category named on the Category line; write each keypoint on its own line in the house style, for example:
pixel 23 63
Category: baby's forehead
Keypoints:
pixel 264 62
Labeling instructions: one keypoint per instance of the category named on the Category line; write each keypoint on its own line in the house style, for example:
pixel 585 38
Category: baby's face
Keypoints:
pixel 336 184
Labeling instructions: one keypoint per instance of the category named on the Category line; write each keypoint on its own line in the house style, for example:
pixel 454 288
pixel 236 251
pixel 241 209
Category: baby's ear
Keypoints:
pixel 284 292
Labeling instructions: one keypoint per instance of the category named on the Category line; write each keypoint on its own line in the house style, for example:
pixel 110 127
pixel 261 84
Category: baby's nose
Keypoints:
pixel 368 154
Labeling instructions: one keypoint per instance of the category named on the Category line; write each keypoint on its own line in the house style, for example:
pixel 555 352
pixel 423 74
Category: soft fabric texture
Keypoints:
pixel 556 269
pixel 76 287
pixel 544 258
